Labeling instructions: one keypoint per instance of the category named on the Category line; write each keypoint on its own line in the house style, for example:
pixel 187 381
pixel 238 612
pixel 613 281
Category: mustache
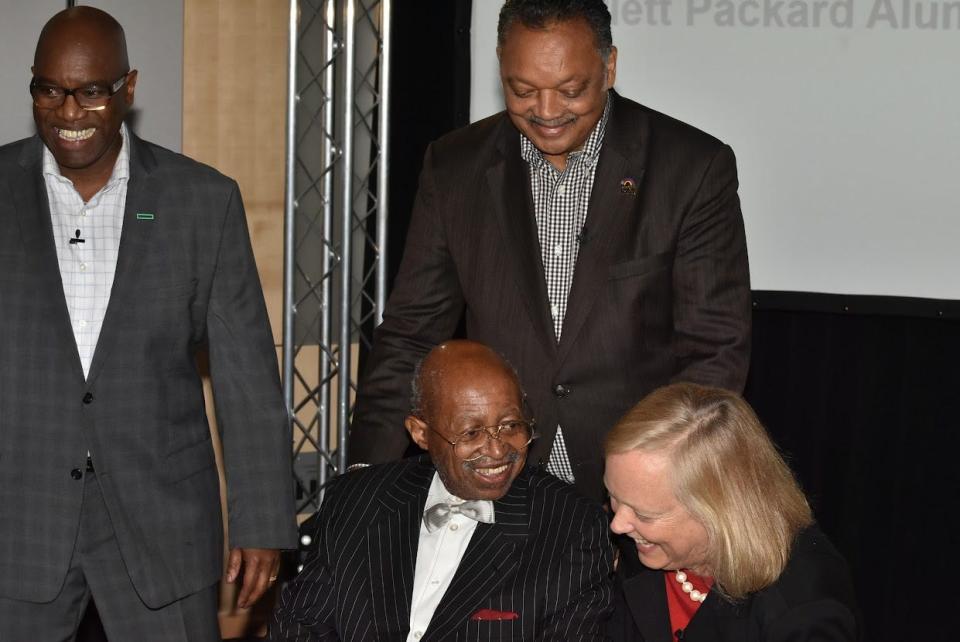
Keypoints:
pixel 552 122
pixel 484 461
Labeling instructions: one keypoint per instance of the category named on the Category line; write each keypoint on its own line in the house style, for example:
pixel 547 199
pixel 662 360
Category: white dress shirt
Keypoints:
pixel 87 269
pixel 438 556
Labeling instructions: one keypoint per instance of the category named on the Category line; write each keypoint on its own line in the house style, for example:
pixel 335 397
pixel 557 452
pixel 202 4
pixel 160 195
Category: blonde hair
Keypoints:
pixel 728 474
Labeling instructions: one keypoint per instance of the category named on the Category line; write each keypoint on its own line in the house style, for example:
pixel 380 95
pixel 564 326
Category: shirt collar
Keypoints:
pixel 438 494
pixel 590 149
pixel 121 168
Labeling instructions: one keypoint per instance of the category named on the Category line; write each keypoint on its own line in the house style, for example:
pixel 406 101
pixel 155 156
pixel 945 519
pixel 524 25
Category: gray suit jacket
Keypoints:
pixel 661 290
pixel 544 565
pixel 183 280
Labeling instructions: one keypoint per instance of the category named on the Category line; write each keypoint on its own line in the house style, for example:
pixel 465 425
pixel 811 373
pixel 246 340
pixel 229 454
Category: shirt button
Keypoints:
pixel 83 212
pixel 418 634
pixel 555 311
pixel 435 582
pixel 558 249
pixel 454 527
pixel 562 190
pixel 83 267
pixel 82 323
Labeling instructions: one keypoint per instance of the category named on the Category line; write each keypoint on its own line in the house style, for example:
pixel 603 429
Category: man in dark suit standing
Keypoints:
pixel 467 544
pixel 594 242
pixel 118 260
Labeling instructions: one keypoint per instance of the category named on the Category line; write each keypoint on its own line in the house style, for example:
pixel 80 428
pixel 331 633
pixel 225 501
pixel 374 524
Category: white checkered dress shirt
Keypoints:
pixel 560 202
pixel 87 268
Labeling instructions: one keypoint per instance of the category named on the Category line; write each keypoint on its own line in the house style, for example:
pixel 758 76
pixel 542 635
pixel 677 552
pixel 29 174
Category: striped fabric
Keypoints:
pixel 546 559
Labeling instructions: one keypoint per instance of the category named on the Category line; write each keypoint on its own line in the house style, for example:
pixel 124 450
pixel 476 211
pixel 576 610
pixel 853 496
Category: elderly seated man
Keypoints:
pixel 463 544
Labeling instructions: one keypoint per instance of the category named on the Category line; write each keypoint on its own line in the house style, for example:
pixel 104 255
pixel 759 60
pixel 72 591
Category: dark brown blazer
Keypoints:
pixel 661 289
pixel 812 601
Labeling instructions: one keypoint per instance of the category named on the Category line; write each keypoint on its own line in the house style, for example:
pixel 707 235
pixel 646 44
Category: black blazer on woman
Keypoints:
pixel 812 601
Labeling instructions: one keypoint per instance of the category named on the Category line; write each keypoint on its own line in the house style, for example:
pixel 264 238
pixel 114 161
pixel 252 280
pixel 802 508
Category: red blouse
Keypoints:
pixel 682 606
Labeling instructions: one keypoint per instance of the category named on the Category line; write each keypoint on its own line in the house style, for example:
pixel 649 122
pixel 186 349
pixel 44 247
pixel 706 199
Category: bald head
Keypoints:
pixel 451 364
pixel 83 27
pixel 466 394
pixel 81 52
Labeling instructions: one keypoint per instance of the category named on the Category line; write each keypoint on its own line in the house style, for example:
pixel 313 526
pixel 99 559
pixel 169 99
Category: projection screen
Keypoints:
pixel 844 115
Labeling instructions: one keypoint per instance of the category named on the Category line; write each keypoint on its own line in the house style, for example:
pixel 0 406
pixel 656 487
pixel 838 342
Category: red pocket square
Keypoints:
pixel 493 614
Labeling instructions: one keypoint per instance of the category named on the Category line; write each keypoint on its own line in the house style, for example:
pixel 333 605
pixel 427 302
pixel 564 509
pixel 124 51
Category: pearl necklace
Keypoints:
pixel 687 587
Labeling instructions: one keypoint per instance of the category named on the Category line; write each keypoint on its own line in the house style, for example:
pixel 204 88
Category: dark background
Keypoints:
pixel 859 392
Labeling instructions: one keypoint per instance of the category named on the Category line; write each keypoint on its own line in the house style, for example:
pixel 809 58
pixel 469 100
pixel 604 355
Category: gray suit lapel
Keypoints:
pixel 36 231
pixel 611 215
pixel 489 562
pixel 509 186
pixel 392 542
pixel 142 194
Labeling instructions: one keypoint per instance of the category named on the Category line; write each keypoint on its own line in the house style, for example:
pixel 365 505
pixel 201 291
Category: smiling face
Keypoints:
pixel 555 84
pixel 466 385
pixel 72 53
pixel 646 509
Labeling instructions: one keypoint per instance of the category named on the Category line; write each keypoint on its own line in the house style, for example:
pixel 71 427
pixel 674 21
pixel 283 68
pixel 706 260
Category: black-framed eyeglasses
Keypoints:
pixel 518 433
pixel 93 97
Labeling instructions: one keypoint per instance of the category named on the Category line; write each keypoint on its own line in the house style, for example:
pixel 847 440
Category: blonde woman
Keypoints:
pixel 720 540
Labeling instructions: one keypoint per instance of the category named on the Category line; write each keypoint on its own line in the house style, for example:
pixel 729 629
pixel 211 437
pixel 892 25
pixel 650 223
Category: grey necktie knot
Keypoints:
pixel 438 515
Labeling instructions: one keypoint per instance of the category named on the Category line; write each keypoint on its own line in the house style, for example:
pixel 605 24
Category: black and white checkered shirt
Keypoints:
pixel 560 200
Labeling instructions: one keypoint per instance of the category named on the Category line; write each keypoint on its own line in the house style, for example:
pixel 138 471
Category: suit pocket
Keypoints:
pixel 189 461
pixel 641 266
pixel 493 630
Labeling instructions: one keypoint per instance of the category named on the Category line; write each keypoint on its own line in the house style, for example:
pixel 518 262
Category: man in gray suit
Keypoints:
pixel 118 261
pixel 467 544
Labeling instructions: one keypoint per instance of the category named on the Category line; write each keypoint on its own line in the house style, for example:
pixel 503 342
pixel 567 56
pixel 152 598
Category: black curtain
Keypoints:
pixel 861 403
pixel 430 97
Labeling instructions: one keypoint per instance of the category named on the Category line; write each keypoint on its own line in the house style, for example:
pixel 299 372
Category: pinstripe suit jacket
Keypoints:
pixel 547 558
pixel 183 279
pixel 661 290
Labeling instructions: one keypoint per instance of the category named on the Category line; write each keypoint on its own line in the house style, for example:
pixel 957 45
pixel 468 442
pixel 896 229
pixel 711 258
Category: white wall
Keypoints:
pixel 846 128
pixel 154 31
pixel 20 24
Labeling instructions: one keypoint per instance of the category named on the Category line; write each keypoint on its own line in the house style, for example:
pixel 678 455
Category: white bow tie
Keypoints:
pixel 438 515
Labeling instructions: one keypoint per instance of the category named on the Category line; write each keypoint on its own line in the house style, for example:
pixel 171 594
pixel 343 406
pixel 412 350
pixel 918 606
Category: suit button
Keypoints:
pixel 76 474
pixel 560 390
pixel 88 398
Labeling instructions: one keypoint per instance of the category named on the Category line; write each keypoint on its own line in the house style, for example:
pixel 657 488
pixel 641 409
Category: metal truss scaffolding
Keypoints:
pixel 335 222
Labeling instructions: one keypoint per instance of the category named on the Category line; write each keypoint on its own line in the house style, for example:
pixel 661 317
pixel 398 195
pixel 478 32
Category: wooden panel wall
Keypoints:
pixel 234 115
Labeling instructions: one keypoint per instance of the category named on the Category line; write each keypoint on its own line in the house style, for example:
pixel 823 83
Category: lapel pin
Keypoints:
pixel 628 186
pixel 145 216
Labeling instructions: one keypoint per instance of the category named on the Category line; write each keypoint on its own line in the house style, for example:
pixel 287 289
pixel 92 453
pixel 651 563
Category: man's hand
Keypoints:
pixel 260 568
